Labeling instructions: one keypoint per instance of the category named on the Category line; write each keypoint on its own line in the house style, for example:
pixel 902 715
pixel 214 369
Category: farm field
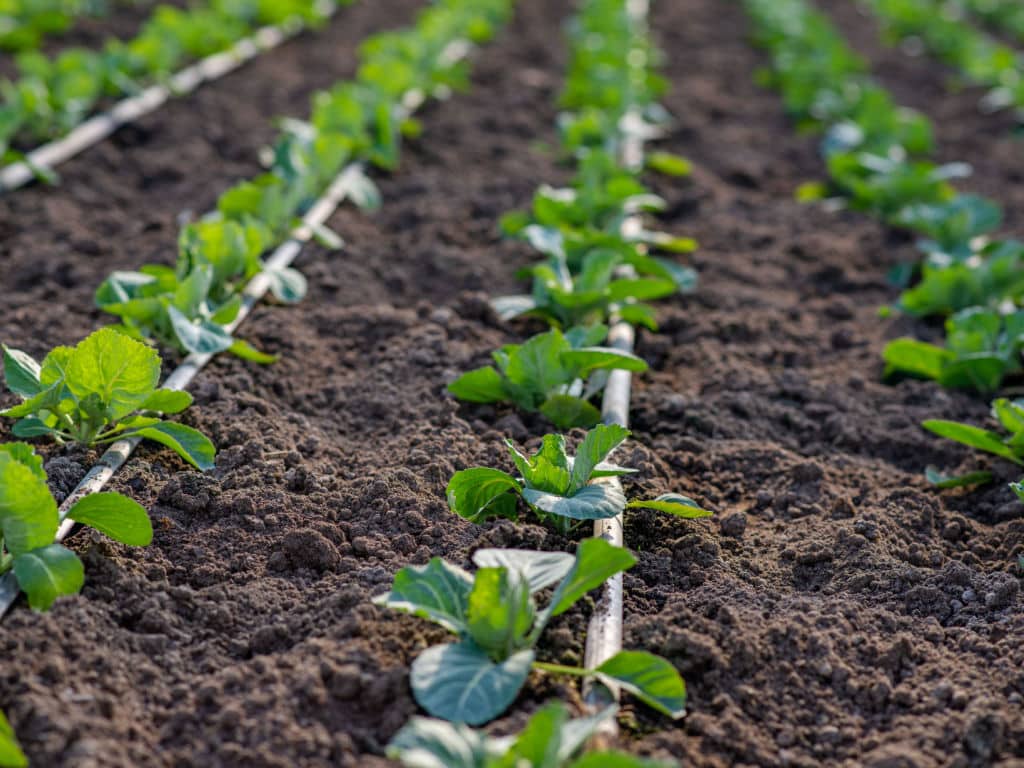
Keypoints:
pixel 836 609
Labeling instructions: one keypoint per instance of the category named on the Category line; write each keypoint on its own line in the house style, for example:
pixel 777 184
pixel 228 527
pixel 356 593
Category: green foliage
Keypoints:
pixel 498 621
pixel 551 373
pixel 29 522
pixel 102 390
pixel 550 739
pixel 11 755
pixel 559 488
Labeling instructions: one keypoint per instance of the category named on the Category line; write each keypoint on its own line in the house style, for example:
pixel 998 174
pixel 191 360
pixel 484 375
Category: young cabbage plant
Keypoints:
pixel 189 306
pixel 11 755
pixel 29 521
pixel 553 373
pixel 498 621
pixel 1010 416
pixel 102 390
pixel 983 346
pixel 561 489
pixel 550 739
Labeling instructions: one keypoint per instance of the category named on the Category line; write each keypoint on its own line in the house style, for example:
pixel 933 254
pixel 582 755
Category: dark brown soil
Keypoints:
pixel 837 611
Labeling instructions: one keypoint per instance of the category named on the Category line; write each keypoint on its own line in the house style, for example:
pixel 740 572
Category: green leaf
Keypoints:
pixel 674 504
pixel 327 237
pixel 1010 414
pixel 32 426
pixel 650 678
pixel 362 191
pixel 500 610
pixel 536 364
pixel 596 561
pixel 483 385
pixel 287 285
pixel 25 454
pixel 669 164
pixel 592 502
pixel 461 683
pixel 436 591
pixel 21 373
pixel 569 411
pixel 916 358
pixel 46 573
pixel 117 516
pixel 122 372
pixel 588 359
pixel 479 493
pixel 599 442
pixel 246 351
pixel 618 760
pixel 167 401
pixel 204 337
pixel 28 513
pixel 11 755
pixel 426 742
pixel 974 437
pixel 190 444
pixel 540 569
pixel 940 480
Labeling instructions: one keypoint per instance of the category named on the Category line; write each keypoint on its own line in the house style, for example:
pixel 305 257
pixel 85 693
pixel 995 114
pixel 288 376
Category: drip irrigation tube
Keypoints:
pixel 47 157
pixel 604 632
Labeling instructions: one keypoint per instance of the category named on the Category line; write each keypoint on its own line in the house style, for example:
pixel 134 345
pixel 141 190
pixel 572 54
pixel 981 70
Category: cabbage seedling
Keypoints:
pixel 496 617
pixel 551 739
pixel 559 488
pixel 102 390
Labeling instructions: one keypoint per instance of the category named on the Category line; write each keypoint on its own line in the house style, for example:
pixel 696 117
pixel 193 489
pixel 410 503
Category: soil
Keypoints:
pixel 836 611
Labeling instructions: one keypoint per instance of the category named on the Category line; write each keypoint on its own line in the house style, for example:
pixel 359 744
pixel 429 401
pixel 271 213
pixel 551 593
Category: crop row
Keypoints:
pixel 979 58
pixel 877 154
pixel 595 269
pixel 105 389
pixel 24 23
pixel 52 95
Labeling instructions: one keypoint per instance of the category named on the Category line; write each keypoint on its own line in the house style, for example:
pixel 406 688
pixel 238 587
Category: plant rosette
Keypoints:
pixel 496 617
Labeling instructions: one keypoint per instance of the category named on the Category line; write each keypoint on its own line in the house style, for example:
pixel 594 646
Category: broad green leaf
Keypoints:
pixel 167 401
pixel 539 744
pixel 425 742
pixel 569 411
pixel 117 516
pixel 362 191
pixel 11 755
pixel 483 385
pixel 122 372
pixel 46 399
pixel 619 760
pixel 641 288
pixel 461 683
pixel 25 454
pixel 288 285
pixel 500 610
pixel 592 502
pixel 670 164
pixel 55 365
pixel 536 365
pixel 1010 414
pixel 583 361
pixel 596 561
pixel 190 444
pixel 21 373
pixel 599 442
pixel 436 591
pixel 607 469
pixel 327 237
pixel 674 504
pixel 650 678
pixel 246 351
pixel 46 573
pixel 540 569
pixel 940 480
pixel 31 426
pixel 28 513
pixel 916 358
pixel 975 437
pixel 508 307
pixel 479 493
pixel 204 338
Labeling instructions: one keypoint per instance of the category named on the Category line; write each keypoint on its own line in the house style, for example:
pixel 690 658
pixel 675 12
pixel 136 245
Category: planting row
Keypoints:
pixel 52 95
pixel 595 269
pixel 105 389
pixel 24 23
pixel 877 155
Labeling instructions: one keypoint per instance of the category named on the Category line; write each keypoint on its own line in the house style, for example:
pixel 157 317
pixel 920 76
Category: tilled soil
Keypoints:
pixel 836 612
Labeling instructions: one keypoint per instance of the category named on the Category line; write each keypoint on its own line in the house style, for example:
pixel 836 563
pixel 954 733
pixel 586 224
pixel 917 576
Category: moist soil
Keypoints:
pixel 836 611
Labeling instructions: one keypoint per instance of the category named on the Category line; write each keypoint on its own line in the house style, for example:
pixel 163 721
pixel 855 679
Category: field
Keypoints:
pixel 836 609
